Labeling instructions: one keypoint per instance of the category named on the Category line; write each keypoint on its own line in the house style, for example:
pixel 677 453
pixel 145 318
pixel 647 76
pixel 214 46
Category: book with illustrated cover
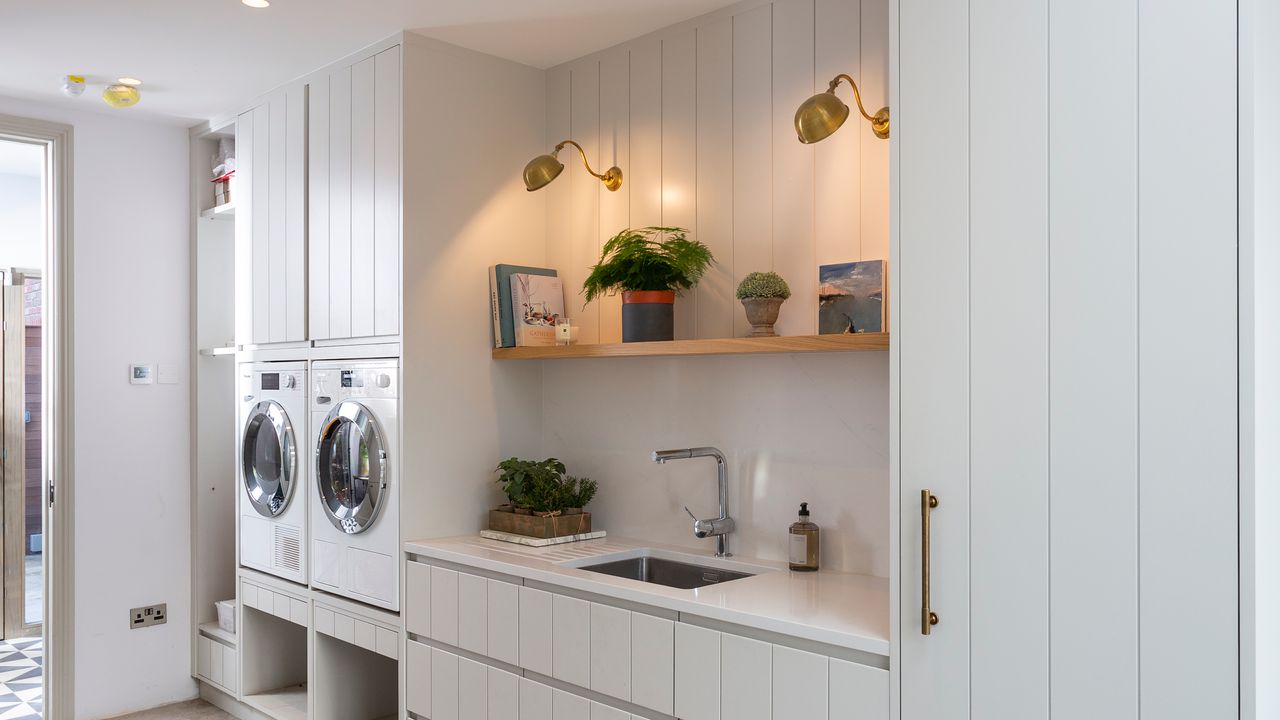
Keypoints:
pixel 851 298
pixel 537 301
pixel 504 328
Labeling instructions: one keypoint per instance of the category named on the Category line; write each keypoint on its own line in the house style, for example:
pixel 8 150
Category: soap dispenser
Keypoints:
pixel 803 542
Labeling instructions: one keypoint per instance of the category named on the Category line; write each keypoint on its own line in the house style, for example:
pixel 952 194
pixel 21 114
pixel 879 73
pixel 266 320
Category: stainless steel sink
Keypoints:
pixel 671 573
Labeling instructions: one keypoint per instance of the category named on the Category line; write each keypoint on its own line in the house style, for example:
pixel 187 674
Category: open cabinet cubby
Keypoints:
pixel 274 665
pixel 352 683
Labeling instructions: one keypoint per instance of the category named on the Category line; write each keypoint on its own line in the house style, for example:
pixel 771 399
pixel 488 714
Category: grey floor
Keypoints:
pixel 190 710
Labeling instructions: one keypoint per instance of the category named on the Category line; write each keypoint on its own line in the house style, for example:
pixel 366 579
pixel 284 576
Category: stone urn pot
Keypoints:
pixel 762 313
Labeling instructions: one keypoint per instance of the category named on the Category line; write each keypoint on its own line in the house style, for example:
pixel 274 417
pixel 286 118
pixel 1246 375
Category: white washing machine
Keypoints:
pixel 355 521
pixel 274 468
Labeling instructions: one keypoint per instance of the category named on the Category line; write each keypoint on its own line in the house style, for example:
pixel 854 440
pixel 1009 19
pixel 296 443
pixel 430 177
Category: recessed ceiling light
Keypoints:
pixel 132 82
pixel 256 3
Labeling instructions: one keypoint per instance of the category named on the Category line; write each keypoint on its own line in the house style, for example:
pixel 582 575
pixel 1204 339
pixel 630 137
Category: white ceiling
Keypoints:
pixel 202 58
pixel 18 158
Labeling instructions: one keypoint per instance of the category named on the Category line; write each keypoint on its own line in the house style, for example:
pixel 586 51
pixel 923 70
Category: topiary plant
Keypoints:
pixel 763 285
pixel 652 258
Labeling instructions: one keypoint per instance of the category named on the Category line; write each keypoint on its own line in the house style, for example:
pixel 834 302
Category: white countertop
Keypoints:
pixel 841 609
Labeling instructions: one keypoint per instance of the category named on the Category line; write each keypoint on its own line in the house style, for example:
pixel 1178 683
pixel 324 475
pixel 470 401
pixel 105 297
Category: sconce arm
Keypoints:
pixel 857 96
pixel 583 154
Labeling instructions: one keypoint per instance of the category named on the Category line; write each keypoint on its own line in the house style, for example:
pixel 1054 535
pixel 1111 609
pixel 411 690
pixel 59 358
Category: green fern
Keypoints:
pixel 652 258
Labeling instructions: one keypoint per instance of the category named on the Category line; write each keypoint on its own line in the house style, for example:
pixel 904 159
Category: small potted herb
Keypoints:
pixel 543 502
pixel 762 294
pixel 649 266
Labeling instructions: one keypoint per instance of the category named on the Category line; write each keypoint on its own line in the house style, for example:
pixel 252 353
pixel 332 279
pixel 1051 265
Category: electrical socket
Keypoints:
pixel 141 617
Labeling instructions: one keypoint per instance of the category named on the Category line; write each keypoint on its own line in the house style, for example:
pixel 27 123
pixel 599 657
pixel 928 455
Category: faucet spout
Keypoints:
pixel 721 526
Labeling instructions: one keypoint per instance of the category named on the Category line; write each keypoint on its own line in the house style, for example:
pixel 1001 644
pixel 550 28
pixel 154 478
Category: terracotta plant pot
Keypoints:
pixel 762 313
pixel 648 315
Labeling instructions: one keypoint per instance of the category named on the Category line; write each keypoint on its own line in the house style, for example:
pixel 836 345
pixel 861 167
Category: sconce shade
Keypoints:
pixel 541 171
pixel 819 116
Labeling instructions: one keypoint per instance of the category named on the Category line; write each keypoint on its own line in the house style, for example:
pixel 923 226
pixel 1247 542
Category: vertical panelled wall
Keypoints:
pixel 1099 479
pixel 700 119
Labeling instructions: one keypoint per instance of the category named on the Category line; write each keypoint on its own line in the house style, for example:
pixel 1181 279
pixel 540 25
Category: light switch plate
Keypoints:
pixel 142 374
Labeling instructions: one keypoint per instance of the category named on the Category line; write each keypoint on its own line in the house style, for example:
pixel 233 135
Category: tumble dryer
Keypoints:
pixel 273 468
pixel 355 519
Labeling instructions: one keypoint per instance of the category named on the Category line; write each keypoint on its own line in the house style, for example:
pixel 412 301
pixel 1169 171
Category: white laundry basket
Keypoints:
pixel 227 615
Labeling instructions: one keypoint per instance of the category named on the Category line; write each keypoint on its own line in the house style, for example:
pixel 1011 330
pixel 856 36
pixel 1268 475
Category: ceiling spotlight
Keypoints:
pixel 256 3
pixel 131 82
pixel 73 85
pixel 121 96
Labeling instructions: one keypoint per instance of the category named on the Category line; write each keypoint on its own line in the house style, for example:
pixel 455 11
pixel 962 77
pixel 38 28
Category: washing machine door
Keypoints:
pixel 351 467
pixel 268 458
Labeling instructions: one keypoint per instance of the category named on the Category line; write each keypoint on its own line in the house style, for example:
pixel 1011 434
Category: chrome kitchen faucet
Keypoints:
pixel 720 527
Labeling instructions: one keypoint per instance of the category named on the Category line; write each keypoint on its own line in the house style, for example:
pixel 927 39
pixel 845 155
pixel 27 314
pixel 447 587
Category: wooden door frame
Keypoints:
pixel 58 401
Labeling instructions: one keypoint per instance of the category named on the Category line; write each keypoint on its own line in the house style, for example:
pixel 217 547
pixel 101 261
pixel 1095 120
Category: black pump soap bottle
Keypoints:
pixel 803 542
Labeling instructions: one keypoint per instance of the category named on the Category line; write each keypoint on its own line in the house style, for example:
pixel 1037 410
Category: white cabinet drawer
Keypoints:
pixel 417 598
pixel 697 674
pixel 604 712
pixel 473 690
pixel 504 695
pixel 611 651
pixel 444 685
pixel 535 701
pixel 799 683
pixel 571 640
pixel 535 630
pixel 444 605
pixel 857 692
pixel 746 678
pixel 473 613
pixel 204 656
pixel 567 706
pixel 503 630
pixel 653 662
pixel 417 684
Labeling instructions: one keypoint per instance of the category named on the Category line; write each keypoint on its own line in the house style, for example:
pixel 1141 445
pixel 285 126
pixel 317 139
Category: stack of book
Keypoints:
pixel 525 302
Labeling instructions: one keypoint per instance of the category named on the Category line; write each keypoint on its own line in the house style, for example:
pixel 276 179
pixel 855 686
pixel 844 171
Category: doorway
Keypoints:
pixel 35 430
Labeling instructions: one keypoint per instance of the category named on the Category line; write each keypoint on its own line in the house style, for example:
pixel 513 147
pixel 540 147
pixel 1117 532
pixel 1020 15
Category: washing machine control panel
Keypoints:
pixel 331 386
pixel 279 381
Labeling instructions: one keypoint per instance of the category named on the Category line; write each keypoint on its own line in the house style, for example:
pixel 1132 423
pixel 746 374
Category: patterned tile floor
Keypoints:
pixel 21 668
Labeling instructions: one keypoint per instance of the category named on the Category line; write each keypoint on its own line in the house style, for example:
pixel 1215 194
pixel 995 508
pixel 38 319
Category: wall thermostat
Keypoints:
pixel 142 374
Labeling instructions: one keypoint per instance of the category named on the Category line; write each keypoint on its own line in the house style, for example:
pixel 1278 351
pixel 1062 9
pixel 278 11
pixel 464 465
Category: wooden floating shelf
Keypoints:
pixel 723 346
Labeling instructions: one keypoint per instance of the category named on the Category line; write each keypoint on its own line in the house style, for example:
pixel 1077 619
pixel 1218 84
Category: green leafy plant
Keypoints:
pixel 651 258
pixel 763 285
pixel 541 486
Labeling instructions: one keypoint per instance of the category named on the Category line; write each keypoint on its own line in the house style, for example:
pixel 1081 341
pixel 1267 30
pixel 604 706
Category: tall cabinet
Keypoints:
pixel 1061 383
pixel 271 217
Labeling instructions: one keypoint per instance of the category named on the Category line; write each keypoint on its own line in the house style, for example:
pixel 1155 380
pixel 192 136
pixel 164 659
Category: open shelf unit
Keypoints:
pixel 287 703
pixel 225 211
pixel 720 346
pixel 214 630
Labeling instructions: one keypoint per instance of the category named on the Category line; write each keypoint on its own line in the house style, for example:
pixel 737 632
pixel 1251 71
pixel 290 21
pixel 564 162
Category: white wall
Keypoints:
pixel 22 237
pixel 132 484
pixel 700 119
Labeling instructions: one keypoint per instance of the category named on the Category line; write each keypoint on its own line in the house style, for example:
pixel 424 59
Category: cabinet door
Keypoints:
pixel 746 678
pixel 504 695
pixel 611 651
pixel 567 706
pixel 473 690
pixel 231 669
pixel 294 200
pixel 535 630
pixel 318 207
pixel 418 679
pixel 652 662
pixel 571 640
pixel 204 656
pixel 504 621
pixel 473 613
pixel 444 685
pixel 799 683
pixel 245 168
pixel 277 218
pixel 856 692
pixel 386 193
pixel 338 298
pixel 697 673
pixel 260 230
pixel 535 701
pixel 363 79
pixel 604 712
pixel 216 662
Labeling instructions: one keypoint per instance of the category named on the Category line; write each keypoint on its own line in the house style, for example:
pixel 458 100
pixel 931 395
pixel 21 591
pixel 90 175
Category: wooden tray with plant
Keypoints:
pixel 542 501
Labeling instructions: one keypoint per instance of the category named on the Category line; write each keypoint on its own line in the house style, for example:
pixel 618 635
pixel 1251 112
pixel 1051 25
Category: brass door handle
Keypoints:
pixel 928 618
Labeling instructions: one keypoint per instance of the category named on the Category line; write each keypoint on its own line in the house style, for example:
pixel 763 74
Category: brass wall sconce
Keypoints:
pixel 543 169
pixel 824 113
